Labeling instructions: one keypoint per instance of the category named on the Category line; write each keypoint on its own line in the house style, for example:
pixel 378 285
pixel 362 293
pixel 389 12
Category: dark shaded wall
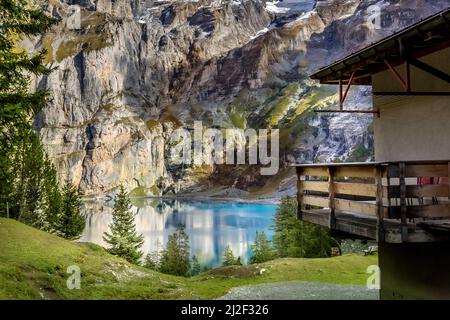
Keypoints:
pixel 415 271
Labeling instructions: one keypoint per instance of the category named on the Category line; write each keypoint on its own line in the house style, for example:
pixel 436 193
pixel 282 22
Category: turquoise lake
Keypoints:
pixel 211 225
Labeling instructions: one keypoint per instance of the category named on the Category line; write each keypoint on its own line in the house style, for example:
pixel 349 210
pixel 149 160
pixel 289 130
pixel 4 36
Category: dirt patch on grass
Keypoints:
pixel 249 271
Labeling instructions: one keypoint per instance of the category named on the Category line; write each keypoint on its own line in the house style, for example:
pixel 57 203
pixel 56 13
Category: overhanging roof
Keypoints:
pixel 425 37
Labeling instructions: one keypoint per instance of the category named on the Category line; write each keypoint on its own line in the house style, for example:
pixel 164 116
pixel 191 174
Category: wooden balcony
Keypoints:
pixel 390 201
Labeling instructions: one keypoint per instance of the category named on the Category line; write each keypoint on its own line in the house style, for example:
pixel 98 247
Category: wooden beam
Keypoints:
pixel 314 171
pixel 356 207
pixel 348 111
pixel 396 75
pixel 300 204
pixel 420 170
pixel 315 201
pixel 347 90
pixel 427 211
pixel 331 196
pixel 355 171
pixel 429 69
pixel 319 186
pixel 357 189
pixel 413 94
pixel 380 209
pixel 419 191
pixel 404 227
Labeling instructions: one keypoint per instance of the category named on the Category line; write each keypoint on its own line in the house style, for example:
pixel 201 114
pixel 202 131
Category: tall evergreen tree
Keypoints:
pixel 123 238
pixel 196 268
pixel 175 258
pixel 294 238
pixel 261 249
pixel 23 162
pixel 152 261
pixel 229 258
pixel 70 223
pixel 286 229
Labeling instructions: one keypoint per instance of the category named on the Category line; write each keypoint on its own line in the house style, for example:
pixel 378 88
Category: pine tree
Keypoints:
pixel 71 223
pixel 123 239
pixel 52 203
pixel 22 159
pixel 175 258
pixel 228 257
pixel 17 104
pixel 287 228
pixel 152 261
pixel 33 187
pixel 196 268
pixel 261 249
pixel 295 238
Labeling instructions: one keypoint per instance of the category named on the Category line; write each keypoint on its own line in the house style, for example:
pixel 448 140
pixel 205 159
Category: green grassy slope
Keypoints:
pixel 33 265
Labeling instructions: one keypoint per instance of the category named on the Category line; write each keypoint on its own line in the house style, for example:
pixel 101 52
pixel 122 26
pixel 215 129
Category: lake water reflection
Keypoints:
pixel 211 225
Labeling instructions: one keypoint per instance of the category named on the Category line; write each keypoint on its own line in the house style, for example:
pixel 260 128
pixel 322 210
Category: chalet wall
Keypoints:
pixel 414 271
pixel 413 127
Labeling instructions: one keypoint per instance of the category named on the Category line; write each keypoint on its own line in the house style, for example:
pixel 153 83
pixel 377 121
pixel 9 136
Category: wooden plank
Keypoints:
pixel 357 189
pixel 420 170
pixel 355 171
pixel 299 198
pixel 331 197
pixel 356 207
pixel 429 190
pixel 403 209
pixel 428 211
pixel 319 217
pixel 313 171
pixel 426 170
pixel 316 201
pixel 439 225
pixel 319 186
pixel 380 235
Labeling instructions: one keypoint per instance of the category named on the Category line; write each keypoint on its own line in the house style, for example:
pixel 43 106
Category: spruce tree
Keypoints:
pixel 175 258
pixel 228 257
pixel 152 261
pixel 196 268
pixel 23 162
pixel 71 223
pixel 295 238
pixel 53 200
pixel 123 238
pixel 261 249
pixel 286 229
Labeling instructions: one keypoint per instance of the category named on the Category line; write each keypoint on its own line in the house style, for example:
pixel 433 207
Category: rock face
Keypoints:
pixel 130 72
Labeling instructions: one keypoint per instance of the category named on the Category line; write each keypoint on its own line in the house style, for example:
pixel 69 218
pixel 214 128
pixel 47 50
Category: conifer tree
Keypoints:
pixel 196 268
pixel 295 238
pixel 23 162
pixel 229 258
pixel 175 258
pixel 152 261
pixel 261 249
pixel 123 238
pixel 286 227
pixel 71 223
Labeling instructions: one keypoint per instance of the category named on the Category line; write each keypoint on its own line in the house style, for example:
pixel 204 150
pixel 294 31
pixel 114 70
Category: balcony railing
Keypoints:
pixel 401 193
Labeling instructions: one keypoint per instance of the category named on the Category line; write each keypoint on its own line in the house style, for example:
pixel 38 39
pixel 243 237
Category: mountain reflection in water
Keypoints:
pixel 211 225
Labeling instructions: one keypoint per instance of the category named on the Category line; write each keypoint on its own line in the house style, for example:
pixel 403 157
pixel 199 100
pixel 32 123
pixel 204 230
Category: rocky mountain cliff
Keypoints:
pixel 132 71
